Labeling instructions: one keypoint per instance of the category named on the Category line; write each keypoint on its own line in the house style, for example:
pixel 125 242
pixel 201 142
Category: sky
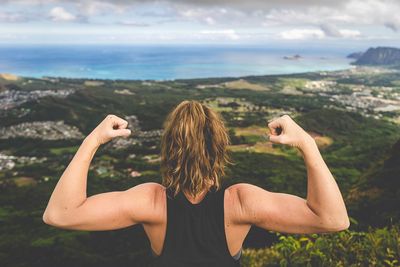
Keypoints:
pixel 260 22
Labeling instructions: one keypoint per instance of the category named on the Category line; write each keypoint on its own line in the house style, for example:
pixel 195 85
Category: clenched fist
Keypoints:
pixel 284 130
pixel 111 127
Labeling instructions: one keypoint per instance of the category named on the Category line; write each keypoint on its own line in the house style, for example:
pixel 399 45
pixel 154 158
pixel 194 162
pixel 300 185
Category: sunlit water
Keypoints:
pixel 163 62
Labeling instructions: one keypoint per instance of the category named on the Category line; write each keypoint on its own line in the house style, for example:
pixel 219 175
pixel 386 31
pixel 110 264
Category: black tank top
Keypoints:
pixel 195 234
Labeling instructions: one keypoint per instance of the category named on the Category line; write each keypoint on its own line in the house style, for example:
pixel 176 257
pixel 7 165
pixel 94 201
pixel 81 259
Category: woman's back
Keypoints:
pixel 193 155
pixel 195 233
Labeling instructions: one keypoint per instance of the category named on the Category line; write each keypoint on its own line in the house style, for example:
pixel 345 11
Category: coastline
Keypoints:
pixel 15 77
pixel 351 69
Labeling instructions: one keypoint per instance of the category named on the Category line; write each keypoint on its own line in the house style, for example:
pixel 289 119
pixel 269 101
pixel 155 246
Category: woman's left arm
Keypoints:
pixel 70 208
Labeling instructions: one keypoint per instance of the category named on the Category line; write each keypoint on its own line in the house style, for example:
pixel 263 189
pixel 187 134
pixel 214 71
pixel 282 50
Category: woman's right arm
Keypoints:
pixel 324 209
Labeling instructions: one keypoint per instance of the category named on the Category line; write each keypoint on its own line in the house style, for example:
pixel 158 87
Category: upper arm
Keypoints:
pixel 111 210
pixel 279 212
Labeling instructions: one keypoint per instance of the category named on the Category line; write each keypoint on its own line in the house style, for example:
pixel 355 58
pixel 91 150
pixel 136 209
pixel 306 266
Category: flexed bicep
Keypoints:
pixel 279 212
pixel 110 210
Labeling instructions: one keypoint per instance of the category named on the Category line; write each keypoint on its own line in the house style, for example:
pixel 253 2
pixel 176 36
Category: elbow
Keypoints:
pixel 343 225
pixel 338 225
pixel 50 218
pixel 45 216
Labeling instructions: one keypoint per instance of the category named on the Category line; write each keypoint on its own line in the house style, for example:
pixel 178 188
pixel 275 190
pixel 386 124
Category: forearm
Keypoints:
pixel 323 194
pixel 70 191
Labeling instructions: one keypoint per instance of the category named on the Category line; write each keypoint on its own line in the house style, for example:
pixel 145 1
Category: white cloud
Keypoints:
pixel 302 34
pixel 60 14
pixel 92 8
pixel 219 20
pixel 224 34
pixel 212 16
pixel 350 33
pixel 9 17
pixel 209 20
pixel 299 13
pixel 332 31
pixel 310 33
pixel 353 12
pixel 134 23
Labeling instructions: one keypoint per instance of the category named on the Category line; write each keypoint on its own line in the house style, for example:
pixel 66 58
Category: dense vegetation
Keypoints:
pixel 375 247
pixel 361 155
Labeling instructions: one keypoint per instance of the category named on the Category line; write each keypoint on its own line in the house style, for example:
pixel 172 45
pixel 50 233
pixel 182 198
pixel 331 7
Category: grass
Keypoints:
pixel 243 84
pixel 292 82
pixel 63 150
pixel 258 147
pixel 250 130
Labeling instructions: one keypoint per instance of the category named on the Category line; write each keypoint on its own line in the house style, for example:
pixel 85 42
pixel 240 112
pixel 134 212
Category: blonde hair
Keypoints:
pixel 193 148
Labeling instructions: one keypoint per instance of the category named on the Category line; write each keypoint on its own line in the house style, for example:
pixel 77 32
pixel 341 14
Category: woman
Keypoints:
pixel 191 220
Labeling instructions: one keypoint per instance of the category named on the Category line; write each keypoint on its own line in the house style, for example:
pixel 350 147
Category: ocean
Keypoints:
pixel 168 62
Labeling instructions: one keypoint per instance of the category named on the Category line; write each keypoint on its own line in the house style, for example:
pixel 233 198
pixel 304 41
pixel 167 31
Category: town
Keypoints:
pixel 246 117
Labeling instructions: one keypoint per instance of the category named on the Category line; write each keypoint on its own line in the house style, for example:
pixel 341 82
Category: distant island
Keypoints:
pixel 387 56
pixel 294 57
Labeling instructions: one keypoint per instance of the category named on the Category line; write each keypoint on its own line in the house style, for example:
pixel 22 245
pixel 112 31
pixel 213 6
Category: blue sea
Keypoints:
pixel 166 62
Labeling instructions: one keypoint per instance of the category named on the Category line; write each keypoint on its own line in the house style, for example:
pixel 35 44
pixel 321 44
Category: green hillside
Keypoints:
pixel 43 121
pixel 376 197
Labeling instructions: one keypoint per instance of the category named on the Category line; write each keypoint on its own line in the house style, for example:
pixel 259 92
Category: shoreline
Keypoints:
pixel 351 68
pixel 15 77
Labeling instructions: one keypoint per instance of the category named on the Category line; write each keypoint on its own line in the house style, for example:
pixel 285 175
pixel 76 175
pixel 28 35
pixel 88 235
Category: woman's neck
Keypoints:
pixel 198 198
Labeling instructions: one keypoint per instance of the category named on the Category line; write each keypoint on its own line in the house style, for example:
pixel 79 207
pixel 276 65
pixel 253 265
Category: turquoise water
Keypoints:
pixel 163 62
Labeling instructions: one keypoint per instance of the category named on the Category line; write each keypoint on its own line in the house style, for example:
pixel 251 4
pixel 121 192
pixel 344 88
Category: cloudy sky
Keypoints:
pixel 339 22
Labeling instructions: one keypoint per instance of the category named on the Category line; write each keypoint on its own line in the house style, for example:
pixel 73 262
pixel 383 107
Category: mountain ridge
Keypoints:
pixel 381 55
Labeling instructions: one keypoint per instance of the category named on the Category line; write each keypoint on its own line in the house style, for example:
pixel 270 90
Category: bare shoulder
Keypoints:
pixel 159 192
pixel 241 190
pixel 239 198
pixel 150 190
pixel 151 187
pixel 243 187
pixel 150 197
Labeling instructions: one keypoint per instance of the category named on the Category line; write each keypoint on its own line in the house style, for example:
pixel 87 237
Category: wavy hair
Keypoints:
pixel 193 148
